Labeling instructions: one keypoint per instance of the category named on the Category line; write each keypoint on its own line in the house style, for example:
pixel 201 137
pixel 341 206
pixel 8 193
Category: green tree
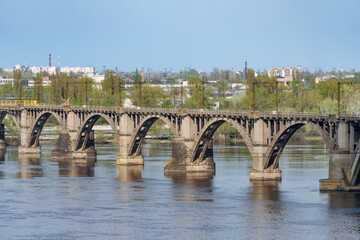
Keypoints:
pixel 38 89
pixel 197 88
pixel 17 82
pixel 151 97
pixel 137 77
pixel 174 92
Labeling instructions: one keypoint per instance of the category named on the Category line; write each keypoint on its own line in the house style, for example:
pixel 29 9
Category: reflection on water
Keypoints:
pixel 2 154
pixel 268 190
pixel 76 169
pixel 30 166
pixel 129 173
pixel 342 199
pixel 104 200
pixel 192 186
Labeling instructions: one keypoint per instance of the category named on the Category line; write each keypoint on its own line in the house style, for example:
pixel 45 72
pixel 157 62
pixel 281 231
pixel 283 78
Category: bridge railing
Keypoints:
pixel 200 112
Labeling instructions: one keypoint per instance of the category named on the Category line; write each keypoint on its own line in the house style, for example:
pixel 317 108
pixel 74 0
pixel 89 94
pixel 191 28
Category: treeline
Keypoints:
pixel 299 96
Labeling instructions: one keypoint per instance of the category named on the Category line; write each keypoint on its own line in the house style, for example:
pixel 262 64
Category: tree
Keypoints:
pixel 17 82
pixel 111 87
pixel 151 97
pixel 137 77
pixel 38 89
pixel 174 92
pixel 196 94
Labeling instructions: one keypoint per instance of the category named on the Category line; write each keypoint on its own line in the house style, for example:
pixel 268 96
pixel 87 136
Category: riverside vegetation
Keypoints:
pixel 203 91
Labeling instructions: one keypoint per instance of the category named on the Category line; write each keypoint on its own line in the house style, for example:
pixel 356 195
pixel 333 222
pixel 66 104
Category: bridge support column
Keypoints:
pixel 260 136
pixel 25 128
pixel 181 158
pixel 258 173
pixel 339 163
pixel 125 135
pixel 340 159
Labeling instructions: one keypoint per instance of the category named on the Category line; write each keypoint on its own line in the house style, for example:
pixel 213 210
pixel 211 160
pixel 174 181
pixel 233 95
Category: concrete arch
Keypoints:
pixel 86 127
pixel 208 131
pixel 39 125
pixel 16 119
pixel 282 137
pixel 142 129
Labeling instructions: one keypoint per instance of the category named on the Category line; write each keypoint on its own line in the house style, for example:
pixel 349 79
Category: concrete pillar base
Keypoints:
pixel 265 175
pixel 336 185
pixel 176 166
pixel 73 156
pixel 130 160
pixel 29 150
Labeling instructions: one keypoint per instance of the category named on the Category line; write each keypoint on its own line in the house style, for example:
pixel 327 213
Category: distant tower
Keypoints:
pixel 245 71
pixel 50 59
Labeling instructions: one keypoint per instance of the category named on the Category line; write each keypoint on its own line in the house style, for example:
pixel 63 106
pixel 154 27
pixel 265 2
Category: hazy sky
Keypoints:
pixel 160 34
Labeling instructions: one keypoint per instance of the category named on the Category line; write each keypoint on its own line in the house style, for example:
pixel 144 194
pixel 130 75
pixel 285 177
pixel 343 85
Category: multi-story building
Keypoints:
pixel 46 82
pixel 4 80
pixel 77 70
pixel 284 75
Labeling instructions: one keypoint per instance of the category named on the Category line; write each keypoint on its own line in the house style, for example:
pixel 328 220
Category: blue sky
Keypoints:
pixel 160 34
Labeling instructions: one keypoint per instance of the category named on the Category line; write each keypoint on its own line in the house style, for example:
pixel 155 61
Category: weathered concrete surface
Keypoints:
pixel 130 160
pixel 65 150
pixel 182 162
pixel 29 150
pixel 265 175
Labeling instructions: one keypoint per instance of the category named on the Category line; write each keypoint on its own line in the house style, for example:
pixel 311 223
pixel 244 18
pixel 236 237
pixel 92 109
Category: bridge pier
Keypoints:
pixel 125 141
pixel 259 173
pixel 341 159
pixel 260 147
pixel 65 150
pixel 181 160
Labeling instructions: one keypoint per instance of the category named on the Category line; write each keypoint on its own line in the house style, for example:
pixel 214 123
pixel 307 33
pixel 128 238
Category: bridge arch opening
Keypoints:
pixel 46 124
pixel 104 126
pixel 297 134
pixel 152 128
pixel 204 139
pixel 11 128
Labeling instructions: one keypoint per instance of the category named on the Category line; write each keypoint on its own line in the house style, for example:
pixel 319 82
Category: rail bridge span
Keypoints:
pixel 265 135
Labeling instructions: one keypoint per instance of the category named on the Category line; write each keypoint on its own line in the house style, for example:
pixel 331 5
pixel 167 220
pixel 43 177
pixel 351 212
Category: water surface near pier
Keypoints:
pixel 40 199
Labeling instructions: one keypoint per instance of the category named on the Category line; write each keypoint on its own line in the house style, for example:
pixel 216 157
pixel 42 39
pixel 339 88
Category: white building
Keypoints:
pixel 50 69
pixel 77 70
pixel 45 83
pixel 35 69
pixel 23 68
pixel 283 72
pixel 6 80
pixel 97 77
pixel 7 70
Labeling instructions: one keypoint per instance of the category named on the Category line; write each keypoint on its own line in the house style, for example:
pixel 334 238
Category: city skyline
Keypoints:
pixel 161 34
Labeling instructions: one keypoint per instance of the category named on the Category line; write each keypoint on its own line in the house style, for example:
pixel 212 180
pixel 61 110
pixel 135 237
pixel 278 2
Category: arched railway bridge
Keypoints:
pixel 265 135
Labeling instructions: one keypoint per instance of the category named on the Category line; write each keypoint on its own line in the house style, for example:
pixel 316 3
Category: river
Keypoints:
pixel 41 199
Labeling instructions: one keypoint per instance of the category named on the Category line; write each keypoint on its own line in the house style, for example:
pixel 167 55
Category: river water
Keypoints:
pixel 41 199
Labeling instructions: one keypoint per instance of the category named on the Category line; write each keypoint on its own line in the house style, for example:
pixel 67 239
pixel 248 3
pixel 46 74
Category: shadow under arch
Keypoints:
pixel 282 138
pixel 203 139
pixel 84 134
pixel 141 131
pixel 40 121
